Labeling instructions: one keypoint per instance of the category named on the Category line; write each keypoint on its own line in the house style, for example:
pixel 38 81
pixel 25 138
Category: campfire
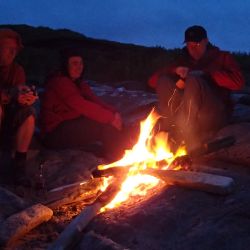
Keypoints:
pixel 151 151
pixel 140 171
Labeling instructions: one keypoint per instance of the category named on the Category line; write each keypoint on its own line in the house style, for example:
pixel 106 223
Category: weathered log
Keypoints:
pixel 19 224
pixel 69 194
pixel 195 180
pixel 73 231
pixel 185 161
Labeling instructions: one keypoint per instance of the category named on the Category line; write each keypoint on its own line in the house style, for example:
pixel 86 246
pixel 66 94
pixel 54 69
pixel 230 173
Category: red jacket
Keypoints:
pixel 219 66
pixel 65 100
pixel 12 75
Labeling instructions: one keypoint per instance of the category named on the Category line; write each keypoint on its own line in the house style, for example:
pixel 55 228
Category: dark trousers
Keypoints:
pixel 195 111
pixel 83 133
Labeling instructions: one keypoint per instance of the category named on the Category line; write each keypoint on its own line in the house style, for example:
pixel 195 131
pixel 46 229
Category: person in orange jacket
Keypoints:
pixel 194 90
pixel 73 116
pixel 17 116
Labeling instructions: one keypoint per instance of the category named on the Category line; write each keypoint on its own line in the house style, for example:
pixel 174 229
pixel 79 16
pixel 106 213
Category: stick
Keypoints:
pixel 210 183
pixel 79 183
pixel 72 232
pixel 73 193
pixel 113 171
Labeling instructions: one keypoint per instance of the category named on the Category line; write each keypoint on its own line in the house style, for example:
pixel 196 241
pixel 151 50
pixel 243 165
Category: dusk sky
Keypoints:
pixel 142 22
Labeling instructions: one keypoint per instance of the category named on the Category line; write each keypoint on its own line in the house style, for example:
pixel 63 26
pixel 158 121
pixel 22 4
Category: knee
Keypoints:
pixel 164 80
pixel 194 83
pixel 164 84
pixel 30 121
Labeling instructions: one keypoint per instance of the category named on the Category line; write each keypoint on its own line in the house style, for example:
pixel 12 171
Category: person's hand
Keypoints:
pixel 180 84
pixel 117 121
pixel 26 96
pixel 182 71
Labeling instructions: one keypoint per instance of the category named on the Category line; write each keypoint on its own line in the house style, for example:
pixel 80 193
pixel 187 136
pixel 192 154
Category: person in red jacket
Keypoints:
pixel 194 91
pixel 73 116
pixel 17 117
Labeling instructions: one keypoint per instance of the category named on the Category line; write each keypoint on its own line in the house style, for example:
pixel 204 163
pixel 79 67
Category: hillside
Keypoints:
pixel 106 61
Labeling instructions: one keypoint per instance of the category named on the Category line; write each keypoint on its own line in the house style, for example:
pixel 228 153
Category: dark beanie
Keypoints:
pixel 195 34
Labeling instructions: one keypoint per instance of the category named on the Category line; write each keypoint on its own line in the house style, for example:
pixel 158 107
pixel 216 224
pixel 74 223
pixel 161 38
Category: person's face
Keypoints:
pixel 197 49
pixel 8 51
pixel 75 67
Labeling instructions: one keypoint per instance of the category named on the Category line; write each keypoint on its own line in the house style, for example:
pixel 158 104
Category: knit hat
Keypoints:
pixel 195 34
pixel 8 33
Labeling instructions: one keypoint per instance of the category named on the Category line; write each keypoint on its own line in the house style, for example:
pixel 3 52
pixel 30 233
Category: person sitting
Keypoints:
pixel 73 116
pixel 17 115
pixel 194 91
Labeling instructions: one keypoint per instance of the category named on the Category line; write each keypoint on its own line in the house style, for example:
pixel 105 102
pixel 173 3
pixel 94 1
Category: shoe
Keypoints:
pixel 19 174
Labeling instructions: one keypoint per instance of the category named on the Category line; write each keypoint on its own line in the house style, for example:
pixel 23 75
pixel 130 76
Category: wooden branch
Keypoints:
pixel 202 181
pixel 19 224
pixel 72 232
pixel 113 171
pixel 74 229
pixel 73 193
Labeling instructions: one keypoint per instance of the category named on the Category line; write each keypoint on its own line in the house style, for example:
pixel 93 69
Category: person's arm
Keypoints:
pixel 167 70
pixel 230 75
pixel 71 96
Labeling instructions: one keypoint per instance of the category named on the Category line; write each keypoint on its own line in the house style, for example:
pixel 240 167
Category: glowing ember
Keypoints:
pixel 146 153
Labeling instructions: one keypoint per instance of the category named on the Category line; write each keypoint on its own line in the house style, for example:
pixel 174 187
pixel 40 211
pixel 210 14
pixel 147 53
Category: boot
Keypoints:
pixel 19 173
pixel 6 168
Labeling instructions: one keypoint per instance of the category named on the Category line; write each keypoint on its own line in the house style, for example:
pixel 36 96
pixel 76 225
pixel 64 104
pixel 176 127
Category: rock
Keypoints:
pixel 241 113
pixel 94 241
pixel 239 153
pixel 10 203
pixel 67 166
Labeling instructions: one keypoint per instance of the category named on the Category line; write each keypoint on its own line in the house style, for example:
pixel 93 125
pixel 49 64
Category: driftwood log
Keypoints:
pixel 72 193
pixel 72 233
pixel 19 224
pixel 210 183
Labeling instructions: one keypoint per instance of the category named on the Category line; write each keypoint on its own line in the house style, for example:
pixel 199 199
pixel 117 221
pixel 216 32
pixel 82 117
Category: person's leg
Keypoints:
pixel 169 98
pixel 24 134
pixel 79 132
pixel 83 132
pixel 202 112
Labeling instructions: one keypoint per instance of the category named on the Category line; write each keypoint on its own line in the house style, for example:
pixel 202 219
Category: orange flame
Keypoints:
pixel 149 150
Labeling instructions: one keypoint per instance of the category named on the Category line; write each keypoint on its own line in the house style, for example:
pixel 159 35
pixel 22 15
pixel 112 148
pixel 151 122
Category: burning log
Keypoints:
pixel 113 171
pixel 71 193
pixel 210 183
pixel 19 224
pixel 186 160
pixel 73 231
